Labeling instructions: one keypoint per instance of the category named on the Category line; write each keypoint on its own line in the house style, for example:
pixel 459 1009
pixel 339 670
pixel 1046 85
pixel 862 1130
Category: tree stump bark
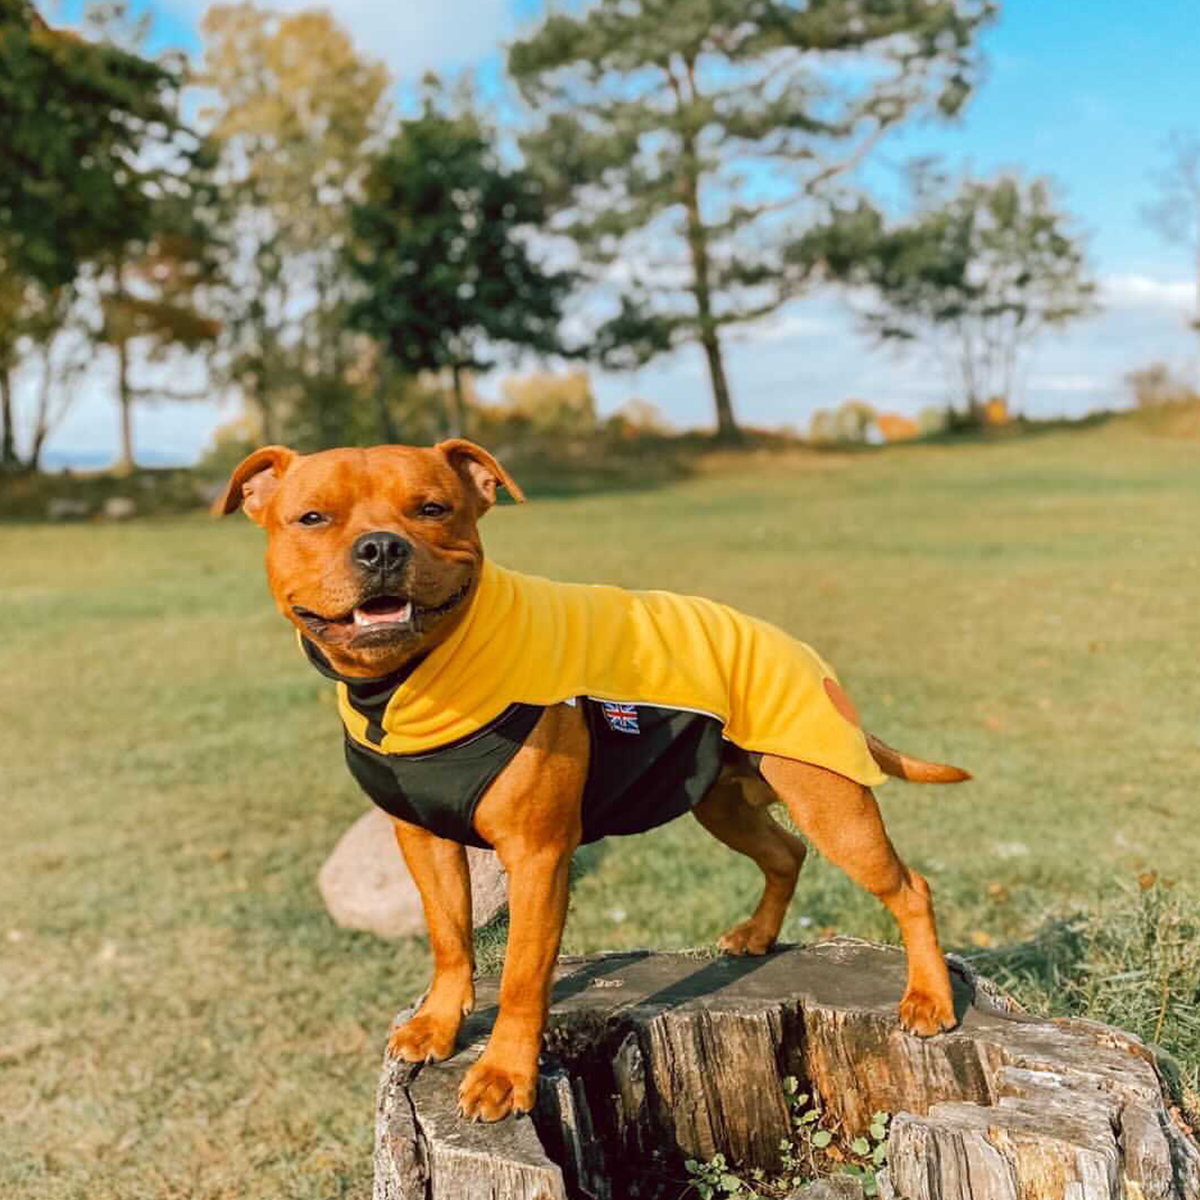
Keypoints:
pixel 652 1059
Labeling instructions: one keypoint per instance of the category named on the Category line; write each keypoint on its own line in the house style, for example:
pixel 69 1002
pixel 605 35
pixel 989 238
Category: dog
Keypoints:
pixel 481 706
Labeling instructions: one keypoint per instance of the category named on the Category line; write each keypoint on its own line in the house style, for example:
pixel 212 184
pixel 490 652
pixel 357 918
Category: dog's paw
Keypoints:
pixel 423 1039
pixel 490 1093
pixel 925 1014
pixel 746 938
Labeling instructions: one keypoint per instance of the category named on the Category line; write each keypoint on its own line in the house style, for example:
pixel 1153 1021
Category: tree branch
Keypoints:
pixel 851 161
pixel 155 393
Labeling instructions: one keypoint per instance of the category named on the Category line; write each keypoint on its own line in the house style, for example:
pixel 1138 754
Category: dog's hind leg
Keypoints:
pixel 841 819
pixel 743 823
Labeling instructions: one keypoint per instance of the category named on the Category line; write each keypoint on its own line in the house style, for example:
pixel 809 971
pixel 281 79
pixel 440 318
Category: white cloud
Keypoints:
pixel 1070 383
pixel 410 36
pixel 787 326
pixel 1142 291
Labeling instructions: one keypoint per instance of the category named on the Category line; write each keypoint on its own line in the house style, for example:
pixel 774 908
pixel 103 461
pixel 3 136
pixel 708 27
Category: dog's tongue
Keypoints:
pixel 383 610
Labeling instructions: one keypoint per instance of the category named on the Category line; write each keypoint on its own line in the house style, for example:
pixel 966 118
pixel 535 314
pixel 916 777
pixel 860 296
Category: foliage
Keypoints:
pixel 1175 214
pixel 893 427
pixel 1157 385
pixel 851 422
pixel 44 326
pixel 82 128
pixel 682 139
pixel 551 402
pixel 148 284
pixel 715 1178
pixel 295 113
pixel 977 274
pixel 441 250
pixel 931 419
pixel 639 418
pixel 106 176
pixel 812 1150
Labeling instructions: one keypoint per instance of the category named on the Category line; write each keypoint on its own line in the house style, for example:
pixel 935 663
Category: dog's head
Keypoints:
pixel 371 554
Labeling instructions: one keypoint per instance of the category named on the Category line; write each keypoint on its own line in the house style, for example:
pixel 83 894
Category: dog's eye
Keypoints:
pixel 432 510
pixel 312 518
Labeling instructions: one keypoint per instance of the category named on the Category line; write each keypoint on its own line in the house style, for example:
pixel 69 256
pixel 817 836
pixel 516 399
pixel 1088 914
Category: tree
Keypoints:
pixel 106 176
pixel 1156 386
pixel 44 325
pixel 1176 212
pixel 149 303
pixel 14 299
pixel 76 118
pixel 149 283
pixel 296 112
pixel 977 274
pixel 681 140
pixel 441 252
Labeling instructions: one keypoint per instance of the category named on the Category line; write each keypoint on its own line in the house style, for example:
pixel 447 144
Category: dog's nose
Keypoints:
pixel 380 551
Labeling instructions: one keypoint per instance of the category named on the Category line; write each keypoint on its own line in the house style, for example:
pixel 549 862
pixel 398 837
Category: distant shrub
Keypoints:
pixel 995 411
pixel 550 402
pixel 932 419
pixel 897 428
pixel 1157 386
pixel 853 422
pixel 638 418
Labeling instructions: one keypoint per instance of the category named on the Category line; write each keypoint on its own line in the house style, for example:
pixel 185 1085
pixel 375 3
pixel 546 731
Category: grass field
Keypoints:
pixel 179 1017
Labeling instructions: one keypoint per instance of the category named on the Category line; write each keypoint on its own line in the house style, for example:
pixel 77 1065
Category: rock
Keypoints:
pixel 365 884
pixel 651 1059
pixel 836 1187
pixel 65 508
pixel 119 508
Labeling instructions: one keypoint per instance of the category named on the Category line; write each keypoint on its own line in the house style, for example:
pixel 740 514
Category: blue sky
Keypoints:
pixel 1084 93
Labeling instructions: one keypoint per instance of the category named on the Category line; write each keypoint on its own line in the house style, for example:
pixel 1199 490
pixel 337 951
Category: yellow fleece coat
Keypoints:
pixel 533 641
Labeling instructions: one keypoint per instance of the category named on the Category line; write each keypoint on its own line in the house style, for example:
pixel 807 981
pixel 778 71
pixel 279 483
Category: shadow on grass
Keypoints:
pixel 1048 961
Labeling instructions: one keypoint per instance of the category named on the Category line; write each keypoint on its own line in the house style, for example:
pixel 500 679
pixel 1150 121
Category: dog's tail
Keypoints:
pixel 915 770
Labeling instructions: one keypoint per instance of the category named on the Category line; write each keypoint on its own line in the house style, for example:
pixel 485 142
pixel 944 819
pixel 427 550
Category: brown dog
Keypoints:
pixel 374 556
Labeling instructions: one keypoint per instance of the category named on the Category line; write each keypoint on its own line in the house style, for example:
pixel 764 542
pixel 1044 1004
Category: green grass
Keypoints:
pixel 181 1019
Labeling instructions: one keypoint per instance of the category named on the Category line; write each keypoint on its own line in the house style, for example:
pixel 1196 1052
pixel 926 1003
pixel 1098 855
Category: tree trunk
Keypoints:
pixel 41 423
pixel 265 401
pixel 654 1059
pixel 34 461
pixel 387 425
pixel 8 444
pixel 125 464
pixel 728 429
pixel 708 329
pixel 266 414
pixel 458 414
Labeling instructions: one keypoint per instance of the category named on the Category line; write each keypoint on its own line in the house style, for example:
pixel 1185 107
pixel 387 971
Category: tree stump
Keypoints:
pixel 652 1059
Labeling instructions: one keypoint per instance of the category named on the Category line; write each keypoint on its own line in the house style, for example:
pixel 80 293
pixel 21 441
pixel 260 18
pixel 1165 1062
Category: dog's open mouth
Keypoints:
pixel 381 615
pixel 382 610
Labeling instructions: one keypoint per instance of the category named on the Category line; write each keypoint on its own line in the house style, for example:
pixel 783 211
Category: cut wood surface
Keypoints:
pixel 651 1059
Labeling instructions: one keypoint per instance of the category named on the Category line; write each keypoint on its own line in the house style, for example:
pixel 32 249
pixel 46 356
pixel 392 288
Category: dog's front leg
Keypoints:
pixel 504 1079
pixel 439 869
pixel 532 817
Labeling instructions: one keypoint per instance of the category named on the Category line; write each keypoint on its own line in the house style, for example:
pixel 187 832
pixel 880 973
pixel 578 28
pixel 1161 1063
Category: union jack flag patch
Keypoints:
pixel 621 718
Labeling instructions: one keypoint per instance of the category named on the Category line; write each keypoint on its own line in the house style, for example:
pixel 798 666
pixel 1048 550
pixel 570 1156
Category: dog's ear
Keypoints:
pixel 253 481
pixel 480 470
